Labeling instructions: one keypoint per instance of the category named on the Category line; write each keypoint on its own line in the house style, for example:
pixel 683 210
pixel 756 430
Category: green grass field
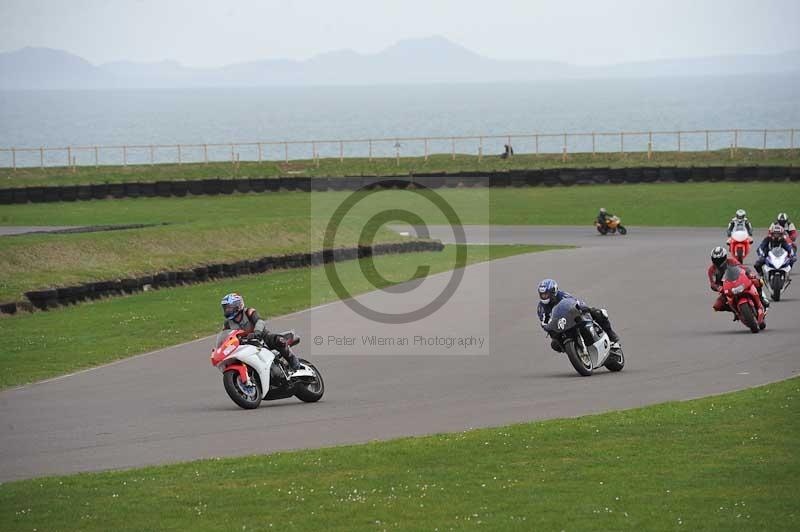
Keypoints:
pixel 386 166
pixel 52 343
pixel 245 226
pixel 720 463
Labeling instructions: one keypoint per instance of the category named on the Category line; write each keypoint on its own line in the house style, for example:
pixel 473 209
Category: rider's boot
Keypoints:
pixel 294 363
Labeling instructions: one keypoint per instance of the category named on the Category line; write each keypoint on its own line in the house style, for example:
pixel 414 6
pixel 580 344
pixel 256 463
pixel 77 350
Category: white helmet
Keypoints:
pixel 741 214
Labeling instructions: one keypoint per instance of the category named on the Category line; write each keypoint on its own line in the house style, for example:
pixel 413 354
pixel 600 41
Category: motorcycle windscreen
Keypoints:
pixel 222 336
pixel 732 274
pixel 563 317
pixel 777 256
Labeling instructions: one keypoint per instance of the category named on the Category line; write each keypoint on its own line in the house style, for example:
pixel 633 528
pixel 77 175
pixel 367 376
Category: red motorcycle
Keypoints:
pixel 743 297
pixel 739 243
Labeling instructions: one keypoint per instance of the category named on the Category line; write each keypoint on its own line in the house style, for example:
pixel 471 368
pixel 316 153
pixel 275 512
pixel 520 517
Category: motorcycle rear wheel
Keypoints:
pixel 312 392
pixel 602 229
pixel 238 392
pixel 749 318
pixel 581 366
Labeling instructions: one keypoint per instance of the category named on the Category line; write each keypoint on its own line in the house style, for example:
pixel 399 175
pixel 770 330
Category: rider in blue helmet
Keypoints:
pixel 237 317
pixel 550 296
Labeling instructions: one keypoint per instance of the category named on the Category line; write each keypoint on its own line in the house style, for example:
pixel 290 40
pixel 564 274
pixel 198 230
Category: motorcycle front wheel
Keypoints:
pixel 749 317
pixel 622 230
pixel 310 392
pixel 777 286
pixel 247 397
pixel 581 363
pixel 615 361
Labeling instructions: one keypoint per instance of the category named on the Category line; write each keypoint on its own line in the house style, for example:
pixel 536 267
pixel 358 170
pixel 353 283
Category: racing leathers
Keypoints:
pixel 715 274
pixel 737 221
pixel 248 320
pixel 544 311
pixel 763 250
pixel 603 217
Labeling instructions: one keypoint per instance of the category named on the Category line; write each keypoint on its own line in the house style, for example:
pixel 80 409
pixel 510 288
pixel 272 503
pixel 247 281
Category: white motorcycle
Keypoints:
pixel 251 372
pixel 586 343
pixel 776 272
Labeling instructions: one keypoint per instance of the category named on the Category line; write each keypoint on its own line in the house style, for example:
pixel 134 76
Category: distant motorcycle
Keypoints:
pixel 585 342
pixel 252 372
pixel 739 242
pixel 776 272
pixel 743 298
pixel 612 225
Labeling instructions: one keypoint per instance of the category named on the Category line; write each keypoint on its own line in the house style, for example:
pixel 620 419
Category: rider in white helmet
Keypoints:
pixel 237 317
pixel 740 219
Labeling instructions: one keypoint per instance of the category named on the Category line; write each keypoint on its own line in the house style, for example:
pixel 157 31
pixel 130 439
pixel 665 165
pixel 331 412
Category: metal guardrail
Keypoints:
pixel 621 142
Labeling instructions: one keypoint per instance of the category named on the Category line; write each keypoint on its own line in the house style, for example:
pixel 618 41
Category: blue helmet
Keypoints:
pixel 232 304
pixel 547 290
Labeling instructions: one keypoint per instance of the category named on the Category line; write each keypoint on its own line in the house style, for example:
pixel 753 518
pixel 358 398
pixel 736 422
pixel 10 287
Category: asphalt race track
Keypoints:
pixel 170 405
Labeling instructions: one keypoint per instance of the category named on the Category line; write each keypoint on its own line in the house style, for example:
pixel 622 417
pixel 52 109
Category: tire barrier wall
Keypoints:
pixel 55 297
pixel 513 178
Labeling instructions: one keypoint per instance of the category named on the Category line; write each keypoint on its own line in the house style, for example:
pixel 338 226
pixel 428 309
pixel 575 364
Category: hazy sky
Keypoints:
pixel 214 32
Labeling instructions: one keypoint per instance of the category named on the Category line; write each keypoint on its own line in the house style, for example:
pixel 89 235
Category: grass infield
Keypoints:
pixel 248 226
pixel 727 462
pixel 67 339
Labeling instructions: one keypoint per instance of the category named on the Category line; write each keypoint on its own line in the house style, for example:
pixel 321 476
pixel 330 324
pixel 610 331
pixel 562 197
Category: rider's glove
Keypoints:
pixel 251 336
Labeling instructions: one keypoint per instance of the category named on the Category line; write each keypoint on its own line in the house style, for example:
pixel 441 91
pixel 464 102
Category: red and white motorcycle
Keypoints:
pixel 251 372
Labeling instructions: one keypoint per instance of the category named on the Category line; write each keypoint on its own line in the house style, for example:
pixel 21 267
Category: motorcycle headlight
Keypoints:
pixel 738 289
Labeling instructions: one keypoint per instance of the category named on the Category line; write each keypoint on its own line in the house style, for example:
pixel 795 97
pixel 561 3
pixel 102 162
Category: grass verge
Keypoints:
pixel 387 166
pixel 52 343
pixel 246 226
pixel 720 463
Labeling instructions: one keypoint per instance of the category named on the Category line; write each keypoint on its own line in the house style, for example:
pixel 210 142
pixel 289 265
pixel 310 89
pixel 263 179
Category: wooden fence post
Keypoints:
pixel 426 149
pixel 593 145
pixel 286 152
pixel 679 141
pixel 622 144
pixel 764 147
pixel 791 140
pixel 205 153
pixel 649 145
pixel 480 150
pixel 537 144
pixel 341 152
pixel 41 157
pixel 370 150
pixel 14 158
pixel 69 156
pixel 232 156
pixel 707 144
pixel 735 141
pixel 453 147
pixel 95 157
pixel 260 152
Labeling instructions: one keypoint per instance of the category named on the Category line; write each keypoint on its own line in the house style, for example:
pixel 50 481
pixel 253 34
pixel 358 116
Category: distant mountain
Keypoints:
pixel 428 60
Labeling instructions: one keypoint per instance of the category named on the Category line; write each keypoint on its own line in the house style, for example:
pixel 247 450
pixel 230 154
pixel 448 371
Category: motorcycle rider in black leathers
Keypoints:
pixel 603 216
pixel 550 296
pixel 237 317
pixel 775 239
